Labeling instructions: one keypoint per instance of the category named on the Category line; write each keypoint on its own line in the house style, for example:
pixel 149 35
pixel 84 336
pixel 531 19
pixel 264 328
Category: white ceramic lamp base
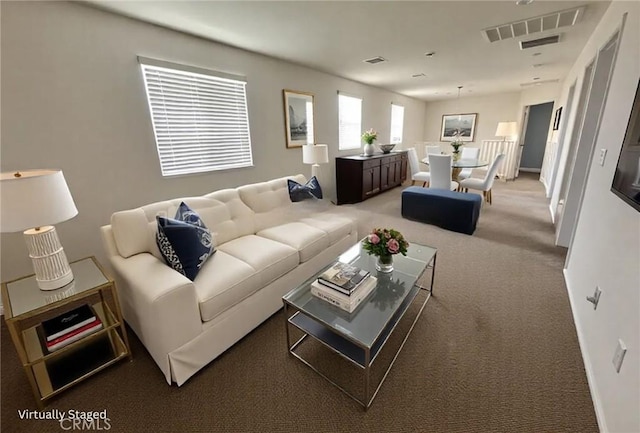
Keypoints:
pixel 49 260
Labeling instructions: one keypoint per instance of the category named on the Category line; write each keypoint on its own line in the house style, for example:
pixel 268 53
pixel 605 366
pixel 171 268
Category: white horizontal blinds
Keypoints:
pixel 397 123
pixel 200 121
pixel 349 121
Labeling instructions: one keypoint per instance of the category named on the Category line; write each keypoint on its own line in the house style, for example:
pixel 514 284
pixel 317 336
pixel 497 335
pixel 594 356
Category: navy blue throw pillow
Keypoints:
pixel 299 192
pixel 188 215
pixel 184 242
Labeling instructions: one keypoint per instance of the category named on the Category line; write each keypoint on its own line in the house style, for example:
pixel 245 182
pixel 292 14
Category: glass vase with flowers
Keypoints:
pixel 384 244
pixel 456 144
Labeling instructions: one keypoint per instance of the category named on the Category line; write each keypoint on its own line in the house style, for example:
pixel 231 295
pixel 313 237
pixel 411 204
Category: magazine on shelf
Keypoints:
pixel 344 302
pixel 74 335
pixel 67 322
pixel 343 277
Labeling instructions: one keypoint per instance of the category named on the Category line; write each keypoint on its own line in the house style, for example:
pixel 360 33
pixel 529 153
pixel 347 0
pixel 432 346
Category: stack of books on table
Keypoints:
pixel 69 327
pixel 344 286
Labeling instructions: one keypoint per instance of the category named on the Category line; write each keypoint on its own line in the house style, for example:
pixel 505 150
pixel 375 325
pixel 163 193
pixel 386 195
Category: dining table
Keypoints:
pixel 459 164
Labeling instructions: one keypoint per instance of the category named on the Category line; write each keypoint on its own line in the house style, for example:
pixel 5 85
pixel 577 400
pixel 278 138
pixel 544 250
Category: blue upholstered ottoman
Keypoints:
pixel 450 210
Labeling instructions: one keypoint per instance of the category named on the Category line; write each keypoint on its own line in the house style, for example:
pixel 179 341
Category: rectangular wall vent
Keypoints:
pixel 539 42
pixel 375 60
pixel 556 20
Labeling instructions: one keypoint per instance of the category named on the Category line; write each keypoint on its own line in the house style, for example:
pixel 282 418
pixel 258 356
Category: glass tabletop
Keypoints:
pixel 469 163
pixel 368 321
pixel 25 295
pixel 464 163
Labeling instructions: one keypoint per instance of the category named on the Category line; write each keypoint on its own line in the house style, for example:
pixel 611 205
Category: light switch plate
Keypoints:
pixel 621 350
pixel 603 154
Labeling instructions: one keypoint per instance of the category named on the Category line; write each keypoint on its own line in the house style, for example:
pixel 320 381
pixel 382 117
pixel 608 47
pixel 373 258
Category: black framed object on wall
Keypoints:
pixel 626 181
pixel 556 120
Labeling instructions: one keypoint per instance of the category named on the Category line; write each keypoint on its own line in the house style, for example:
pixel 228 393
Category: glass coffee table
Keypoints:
pixel 360 336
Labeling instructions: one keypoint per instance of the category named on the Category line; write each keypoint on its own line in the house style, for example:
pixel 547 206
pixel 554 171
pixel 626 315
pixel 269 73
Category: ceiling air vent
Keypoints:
pixel 538 82
pixel 539 42
pixel 516 29
pixel 375 60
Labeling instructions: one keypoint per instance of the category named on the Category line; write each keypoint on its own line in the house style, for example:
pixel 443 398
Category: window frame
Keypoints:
pixel 391 127
pixel 356 144
pixel 193 130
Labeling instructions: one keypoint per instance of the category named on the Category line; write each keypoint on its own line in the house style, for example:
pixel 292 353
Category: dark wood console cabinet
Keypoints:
pixel 359 177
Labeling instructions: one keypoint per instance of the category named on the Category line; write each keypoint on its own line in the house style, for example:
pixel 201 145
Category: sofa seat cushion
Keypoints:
pixel 270 259
pixel 307 240
pixel 336 227
pixel 223 282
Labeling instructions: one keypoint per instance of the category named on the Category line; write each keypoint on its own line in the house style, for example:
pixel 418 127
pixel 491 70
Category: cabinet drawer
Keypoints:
pixel 371 163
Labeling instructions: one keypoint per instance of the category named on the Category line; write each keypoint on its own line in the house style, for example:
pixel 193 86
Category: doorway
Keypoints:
pixel 563 128
pixel 579 173
pixel 535 137
pixel 573 144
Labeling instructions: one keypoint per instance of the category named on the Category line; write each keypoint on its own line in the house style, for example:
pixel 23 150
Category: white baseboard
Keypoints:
pixel 602 424
pixel 530 170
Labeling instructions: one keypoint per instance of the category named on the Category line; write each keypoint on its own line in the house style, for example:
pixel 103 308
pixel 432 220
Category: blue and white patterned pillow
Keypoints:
pixel 188 215
pixel 184 242
pixel 299 192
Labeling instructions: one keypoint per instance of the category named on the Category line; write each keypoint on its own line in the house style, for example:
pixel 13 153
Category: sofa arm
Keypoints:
pixel 159 303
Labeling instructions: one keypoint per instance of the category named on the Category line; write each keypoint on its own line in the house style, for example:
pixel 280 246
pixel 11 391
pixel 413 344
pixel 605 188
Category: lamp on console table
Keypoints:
pixel 315 154
pixel 32 201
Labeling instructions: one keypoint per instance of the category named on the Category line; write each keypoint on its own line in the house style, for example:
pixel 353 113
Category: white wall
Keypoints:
pixel 73 98
pixel 491 109
pixel 606 247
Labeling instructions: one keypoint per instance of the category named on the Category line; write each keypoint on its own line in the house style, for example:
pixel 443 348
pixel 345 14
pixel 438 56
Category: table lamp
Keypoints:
pixel 506 129
pixel 315 154
pixel 32 201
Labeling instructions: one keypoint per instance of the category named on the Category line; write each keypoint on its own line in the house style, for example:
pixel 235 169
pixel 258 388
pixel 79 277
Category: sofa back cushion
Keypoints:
pixel 270 195
pixel 238 221
pixel 270 201
pixel 222 212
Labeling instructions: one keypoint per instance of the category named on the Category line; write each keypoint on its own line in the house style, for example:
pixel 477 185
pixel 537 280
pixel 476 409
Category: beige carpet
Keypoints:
pixel 495 350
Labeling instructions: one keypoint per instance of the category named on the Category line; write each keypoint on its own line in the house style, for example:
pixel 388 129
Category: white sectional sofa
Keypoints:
pixel 266 245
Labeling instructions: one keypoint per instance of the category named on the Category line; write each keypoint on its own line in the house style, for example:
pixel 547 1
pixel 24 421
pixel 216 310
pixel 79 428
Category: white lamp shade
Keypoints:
pixel 507 129
pixel 36 198
pixel 315 154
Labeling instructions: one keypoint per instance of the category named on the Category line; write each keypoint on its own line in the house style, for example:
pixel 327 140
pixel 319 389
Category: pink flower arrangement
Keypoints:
pixel 385 242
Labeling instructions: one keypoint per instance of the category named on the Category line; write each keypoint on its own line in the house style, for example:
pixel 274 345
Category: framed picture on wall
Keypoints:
pixel 461 126
pixel 556 120
pixel 298 118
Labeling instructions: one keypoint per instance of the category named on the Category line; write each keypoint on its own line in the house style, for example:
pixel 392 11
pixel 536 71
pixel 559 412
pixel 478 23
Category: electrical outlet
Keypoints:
pixel 618 357
pixel 603 154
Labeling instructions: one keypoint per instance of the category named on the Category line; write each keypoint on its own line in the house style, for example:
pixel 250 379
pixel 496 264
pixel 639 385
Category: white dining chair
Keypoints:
pixel 485 184
pixel 414 166
pixel 468 153
pixel 431 149
pixel 440 169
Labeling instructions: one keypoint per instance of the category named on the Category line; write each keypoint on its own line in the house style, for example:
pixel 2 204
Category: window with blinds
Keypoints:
pixel 349 121
pixel 199 118
pixel 397 123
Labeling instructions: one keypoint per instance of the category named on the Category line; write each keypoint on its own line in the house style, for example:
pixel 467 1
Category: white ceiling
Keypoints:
pixel 336 36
